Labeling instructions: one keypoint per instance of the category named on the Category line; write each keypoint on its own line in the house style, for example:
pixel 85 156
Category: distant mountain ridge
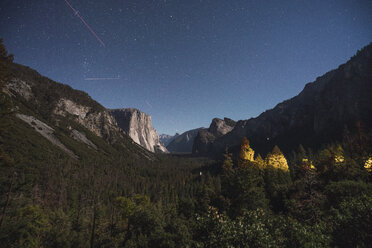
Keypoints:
pixel 166 138
pixel 339 101
pixel 182 143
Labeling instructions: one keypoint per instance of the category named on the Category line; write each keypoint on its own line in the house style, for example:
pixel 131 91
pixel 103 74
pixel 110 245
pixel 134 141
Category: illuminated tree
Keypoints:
pixel 246 154
pixel 276 159
pixel 368 164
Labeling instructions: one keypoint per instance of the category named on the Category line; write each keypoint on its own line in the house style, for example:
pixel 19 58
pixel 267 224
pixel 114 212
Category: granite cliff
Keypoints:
pixel 206 137
pixel 139 127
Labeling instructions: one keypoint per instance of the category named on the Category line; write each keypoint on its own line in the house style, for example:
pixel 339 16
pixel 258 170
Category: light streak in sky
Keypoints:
pixel 86 24
pixel 94 79
pixel 148 104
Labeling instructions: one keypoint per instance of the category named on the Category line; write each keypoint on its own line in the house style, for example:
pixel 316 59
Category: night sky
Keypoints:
pixel 185 62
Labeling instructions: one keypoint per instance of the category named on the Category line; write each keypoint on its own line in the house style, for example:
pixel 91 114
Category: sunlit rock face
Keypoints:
pixel 139 127
pixel 334 104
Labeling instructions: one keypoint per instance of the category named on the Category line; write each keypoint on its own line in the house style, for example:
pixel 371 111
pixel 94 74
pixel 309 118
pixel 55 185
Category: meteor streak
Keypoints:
pixel 86 24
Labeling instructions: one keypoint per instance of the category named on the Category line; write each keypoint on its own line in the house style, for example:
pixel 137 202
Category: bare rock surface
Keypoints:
pixel 20 87
pixel 81 137
pixel 138 126
pixel 99 122
pixel 46 131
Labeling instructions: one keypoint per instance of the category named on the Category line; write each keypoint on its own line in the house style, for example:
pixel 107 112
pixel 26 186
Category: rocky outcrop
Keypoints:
pixel 20 87
pixel 81 137
pixel 220 127
pixel 139 127
pixel 206 137
pixel 100 122
pixel 45 131
pixel 57 103
pixel 339 102
pixel 183 143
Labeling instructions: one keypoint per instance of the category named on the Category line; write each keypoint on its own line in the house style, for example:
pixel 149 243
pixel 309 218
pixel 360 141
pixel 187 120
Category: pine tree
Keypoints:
pixel 228 164
pixel 260 162
pixel 277 160
pixel 246 154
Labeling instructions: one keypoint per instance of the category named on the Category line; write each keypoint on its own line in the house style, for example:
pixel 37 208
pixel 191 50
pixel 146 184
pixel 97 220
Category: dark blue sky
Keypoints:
pixel 185 62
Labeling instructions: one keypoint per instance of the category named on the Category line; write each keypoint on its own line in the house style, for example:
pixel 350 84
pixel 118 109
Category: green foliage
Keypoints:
pixel 334 165
pixel 307 201
pixel 298 234
pixel 337 192
pixel 28 229
pixel 111 200
pixel 243 207
pixel 353 222
pixel 277 184
pixel 245 190
pixel 126 206
pixel 258 228
pixel 228 164
pixel 61 233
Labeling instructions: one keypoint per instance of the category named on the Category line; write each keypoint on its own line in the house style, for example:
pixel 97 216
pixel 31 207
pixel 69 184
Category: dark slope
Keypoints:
pixel 336 103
